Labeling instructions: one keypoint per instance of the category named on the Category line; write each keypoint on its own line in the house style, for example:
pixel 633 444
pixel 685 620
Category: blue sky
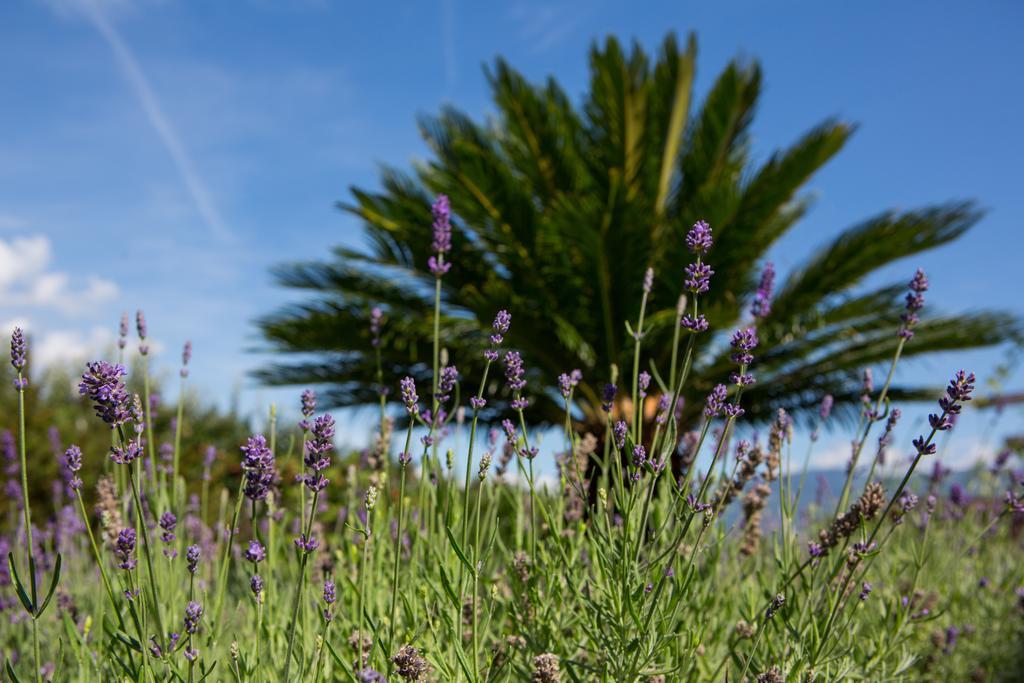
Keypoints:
pixel 166 154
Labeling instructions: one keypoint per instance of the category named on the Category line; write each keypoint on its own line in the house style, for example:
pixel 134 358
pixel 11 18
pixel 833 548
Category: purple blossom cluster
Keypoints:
pixel 914 303
pixel 330 597
pixel 318 452
pixel 407 388
pixel 567 382
pixel 762 305
pixel 308 400
pixel 168 523
pixel 376 321
pixel 124 549
pixel 192 555
pixel 608 397
pixel 102 384
pixel 442 242
pixel 73 463
pixel 142 329
pixel 499 328
pixel 258 464
pixel 19 357
pixel 957 393
pixel 447 379
pixel 698 239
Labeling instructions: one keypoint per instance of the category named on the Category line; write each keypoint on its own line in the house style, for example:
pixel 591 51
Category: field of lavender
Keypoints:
pixel 412 562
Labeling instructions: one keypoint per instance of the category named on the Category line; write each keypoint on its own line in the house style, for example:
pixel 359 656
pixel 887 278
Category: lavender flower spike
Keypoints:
pixel 124 548
pixel 442 242
pixel 19 357
pixel 308 408
pixel 192 558
pixel 73 463
pixel 258 463
pixel 698 240
pixel 186 356
pixel 763 298
pixel 409 396
pixel 102 384
pixel 122 332
pixel 143 330
pixel 193 613
pixel 915 302
pixel 514 371
pixel 744 341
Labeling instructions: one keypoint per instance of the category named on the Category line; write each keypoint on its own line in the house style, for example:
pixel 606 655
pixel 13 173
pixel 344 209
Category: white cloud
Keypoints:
pixel 68 347
pixel 26 279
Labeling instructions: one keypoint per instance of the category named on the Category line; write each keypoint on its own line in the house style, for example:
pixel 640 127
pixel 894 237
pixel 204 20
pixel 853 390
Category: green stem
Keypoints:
pixel 222 575
pixel 27 510
pixel 175 467
pixel 398 548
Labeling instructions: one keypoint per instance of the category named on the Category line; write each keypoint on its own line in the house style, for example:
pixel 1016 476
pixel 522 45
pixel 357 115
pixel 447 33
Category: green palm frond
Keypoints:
pixel 559 211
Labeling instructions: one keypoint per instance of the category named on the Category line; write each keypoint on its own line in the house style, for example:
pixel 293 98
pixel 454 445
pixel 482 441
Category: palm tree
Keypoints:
pixel 559 212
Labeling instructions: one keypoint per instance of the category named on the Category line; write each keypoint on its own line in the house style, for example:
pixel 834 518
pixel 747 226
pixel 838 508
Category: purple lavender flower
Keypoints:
pixel 192 558
pixel 255 553
pixel 716 401
pixel 142 329
pixel 619 430
pixel 510 431
pixel 122 337
pixel 256 585
pixel 500 327
pixel 127 454
pixel 102 384
pixel 308 408
pixel 648 280
pixel 306 545
pixel 608 397
pixel 915 302
pixel 639 456
pixel 867 383
pixel 698 277
pixel 409 397
pixel 826 407
pixel 19 350
pixel 514 371
pixel 168 523
pixel 698 240
pixel 330 597
pixel 73 463
pixel 442 225
pixel 318 452
pixel 208 459
pixel 193 614
pixel 643 383
pixel 564 385
pixel 258 464
pixel 449 376
pixel 442 242
pixel 744 341
pixel 865 591
pixel 124 549
pixel 762 306
pixel 186 356
pixel 694 324
pixel 376 320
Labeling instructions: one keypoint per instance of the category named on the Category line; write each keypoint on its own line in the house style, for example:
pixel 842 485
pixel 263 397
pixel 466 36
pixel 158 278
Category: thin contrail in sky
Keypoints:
pixel 154 112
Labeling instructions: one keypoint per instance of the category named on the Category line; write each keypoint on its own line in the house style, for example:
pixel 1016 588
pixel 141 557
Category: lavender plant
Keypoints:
pixel 379 565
